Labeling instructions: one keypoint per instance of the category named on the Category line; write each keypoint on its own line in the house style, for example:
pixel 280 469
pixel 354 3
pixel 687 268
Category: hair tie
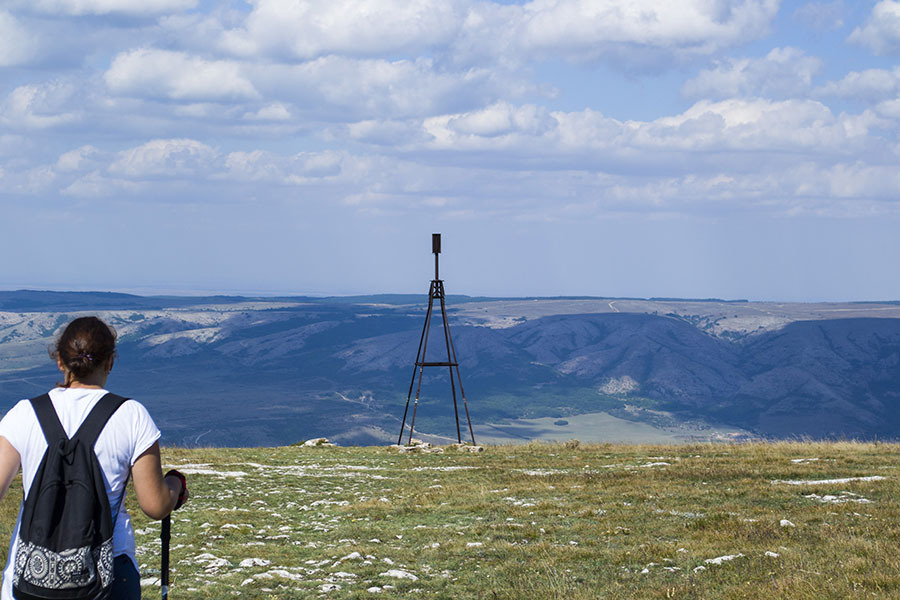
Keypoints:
pixel 87 356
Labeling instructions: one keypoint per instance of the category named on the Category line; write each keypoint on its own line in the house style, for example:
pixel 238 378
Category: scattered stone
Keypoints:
pixel 284 574
pixel 720 559
pixel 842 498
pixel 828 481
pixel 786 523
pixel 771 554
pixel 351 556
pixel 255 562
pixel 400 574
pixel 318 442
pixel 344 575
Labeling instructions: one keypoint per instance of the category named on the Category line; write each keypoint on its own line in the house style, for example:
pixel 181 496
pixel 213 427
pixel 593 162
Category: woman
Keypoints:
pixel 128 446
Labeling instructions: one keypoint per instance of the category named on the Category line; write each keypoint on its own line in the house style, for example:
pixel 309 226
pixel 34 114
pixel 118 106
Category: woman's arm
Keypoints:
pixel 156 495
pixel 9 465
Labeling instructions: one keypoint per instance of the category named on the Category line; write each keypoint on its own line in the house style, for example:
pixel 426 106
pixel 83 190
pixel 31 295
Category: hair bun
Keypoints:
pixel 85 345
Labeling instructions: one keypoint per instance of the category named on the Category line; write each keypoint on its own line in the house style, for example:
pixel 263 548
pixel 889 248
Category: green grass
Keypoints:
pixel 533 521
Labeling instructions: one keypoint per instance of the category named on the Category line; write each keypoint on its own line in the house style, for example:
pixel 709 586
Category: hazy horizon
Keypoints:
pixel 189 293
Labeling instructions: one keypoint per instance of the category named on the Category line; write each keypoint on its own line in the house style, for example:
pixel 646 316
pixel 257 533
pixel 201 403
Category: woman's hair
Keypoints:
pixel 85 345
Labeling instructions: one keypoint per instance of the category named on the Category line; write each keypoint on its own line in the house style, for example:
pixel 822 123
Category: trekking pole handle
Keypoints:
pixel 182 497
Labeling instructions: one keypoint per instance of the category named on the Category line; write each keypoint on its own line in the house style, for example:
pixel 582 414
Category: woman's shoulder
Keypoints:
pixel 133 412
pixel 20 410
pixel 17 423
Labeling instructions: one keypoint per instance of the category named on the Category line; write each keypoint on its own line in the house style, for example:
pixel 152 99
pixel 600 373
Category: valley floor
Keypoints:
pixel 785 520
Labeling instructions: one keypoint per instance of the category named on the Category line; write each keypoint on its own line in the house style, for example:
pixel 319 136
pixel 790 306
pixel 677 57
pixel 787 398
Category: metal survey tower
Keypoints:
pixel 435 292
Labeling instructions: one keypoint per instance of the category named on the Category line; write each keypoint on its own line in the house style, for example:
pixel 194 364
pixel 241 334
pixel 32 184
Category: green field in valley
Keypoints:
pixel 540 520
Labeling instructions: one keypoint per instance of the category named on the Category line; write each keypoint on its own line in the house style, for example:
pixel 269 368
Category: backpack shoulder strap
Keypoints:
pixel 48 419
pixel 96 420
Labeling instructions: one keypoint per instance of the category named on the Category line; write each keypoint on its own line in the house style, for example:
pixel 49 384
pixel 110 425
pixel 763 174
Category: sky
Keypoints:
pixel 737 149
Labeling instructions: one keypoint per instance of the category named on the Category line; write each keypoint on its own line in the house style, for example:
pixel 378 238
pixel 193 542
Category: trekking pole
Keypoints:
pixel 165 535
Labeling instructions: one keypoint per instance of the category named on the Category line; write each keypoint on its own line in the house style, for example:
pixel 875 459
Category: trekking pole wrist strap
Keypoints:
pixel 183 495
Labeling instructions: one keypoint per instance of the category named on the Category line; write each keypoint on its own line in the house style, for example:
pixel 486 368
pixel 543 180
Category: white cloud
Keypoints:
pixel 382 186
pixel 870 85
pixel 34 180
pixel 881 32
pixel 501 119
pixel 170 158
pixel 889 108
pixel 259 166
pixel 760 125
pixel 254 166
pixel 783 72
pixel 590 29
pixel 39 106
pixel 17 44
pixel 97 185
pixel 155 73
pixel 194 162
pixel 846 188
pixel 479 32
pixel 329 88
pixel 348 89
pixel 735 125
pixel 107 7
pixel 275 111
pixel 840 190
pixel 312 28
pixel 78 159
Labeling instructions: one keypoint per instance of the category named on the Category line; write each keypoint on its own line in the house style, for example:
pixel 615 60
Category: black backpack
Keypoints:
pixel 65 546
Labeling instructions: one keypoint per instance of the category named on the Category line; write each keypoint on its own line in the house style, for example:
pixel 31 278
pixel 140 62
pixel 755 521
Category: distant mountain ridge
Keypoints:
pixel 239 371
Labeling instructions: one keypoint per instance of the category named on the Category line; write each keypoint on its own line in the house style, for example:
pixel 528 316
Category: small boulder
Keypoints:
pixel 318 442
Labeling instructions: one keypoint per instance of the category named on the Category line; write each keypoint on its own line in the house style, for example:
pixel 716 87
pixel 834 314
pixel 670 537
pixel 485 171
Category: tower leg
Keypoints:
pixel 421 363
pixel 419 358
pixel 461 390
pixel 451 361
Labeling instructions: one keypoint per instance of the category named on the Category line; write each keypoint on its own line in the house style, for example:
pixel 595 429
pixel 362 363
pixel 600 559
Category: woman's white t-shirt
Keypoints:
pixel 129 433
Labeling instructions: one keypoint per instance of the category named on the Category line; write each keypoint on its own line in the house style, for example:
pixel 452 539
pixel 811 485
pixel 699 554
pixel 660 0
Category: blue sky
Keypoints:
pixel 693 148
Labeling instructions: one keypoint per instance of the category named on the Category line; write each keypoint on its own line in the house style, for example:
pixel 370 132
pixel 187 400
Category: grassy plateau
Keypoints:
pixel 755 520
